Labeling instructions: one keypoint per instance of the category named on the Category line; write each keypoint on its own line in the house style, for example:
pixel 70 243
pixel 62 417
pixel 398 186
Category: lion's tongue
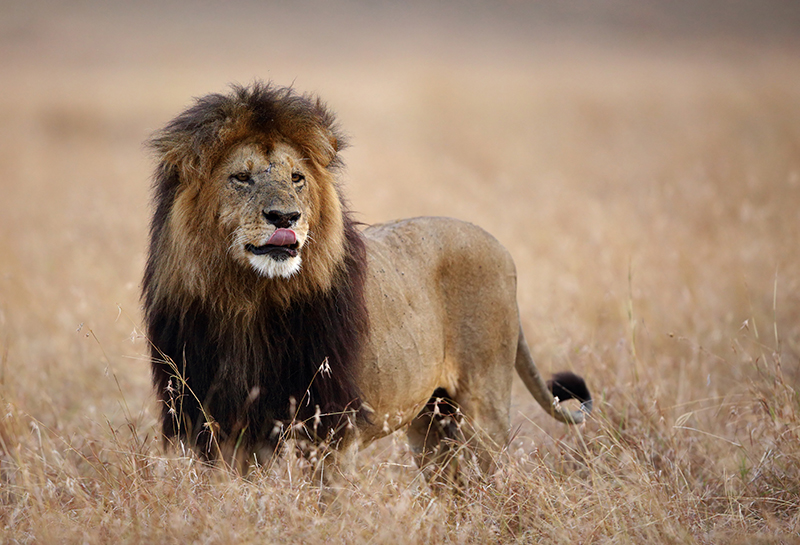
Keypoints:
pixel 282 237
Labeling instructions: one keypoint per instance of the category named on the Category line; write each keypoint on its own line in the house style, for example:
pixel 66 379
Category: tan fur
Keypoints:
pixel 442 300
pixel 440 293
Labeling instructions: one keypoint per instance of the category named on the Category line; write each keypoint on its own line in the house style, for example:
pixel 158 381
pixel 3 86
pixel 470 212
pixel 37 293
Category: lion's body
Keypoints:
pixel 266 306
pixel 442 301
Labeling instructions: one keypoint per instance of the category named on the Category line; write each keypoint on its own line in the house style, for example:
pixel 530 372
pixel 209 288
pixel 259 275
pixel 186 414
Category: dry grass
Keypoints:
pixel 648 189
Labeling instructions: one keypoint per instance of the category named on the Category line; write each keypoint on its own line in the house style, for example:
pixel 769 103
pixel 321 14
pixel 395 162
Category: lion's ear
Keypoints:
pixel 171 147
pixel 175 156
pixel 335 142
pixel 326 148
pixel 332 150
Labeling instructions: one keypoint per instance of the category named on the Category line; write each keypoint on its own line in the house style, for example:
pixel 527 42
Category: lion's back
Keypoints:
pixel 448 249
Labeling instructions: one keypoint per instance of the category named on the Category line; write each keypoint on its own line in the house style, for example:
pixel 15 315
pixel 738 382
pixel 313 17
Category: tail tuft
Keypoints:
pixel 567 385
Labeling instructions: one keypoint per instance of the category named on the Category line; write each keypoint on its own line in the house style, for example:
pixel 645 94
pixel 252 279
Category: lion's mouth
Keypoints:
pixel 281 245
pixel 275 252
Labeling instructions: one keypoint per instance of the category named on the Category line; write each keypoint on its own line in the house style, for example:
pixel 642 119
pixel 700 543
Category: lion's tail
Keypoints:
pixel 563 385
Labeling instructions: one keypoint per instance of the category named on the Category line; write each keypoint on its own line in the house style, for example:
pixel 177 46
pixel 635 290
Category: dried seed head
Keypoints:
pixel 386 428
pixel 317 418
pixel 325 368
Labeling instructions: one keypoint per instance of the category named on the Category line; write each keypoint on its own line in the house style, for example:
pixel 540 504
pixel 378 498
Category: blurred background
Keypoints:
pixel 639 158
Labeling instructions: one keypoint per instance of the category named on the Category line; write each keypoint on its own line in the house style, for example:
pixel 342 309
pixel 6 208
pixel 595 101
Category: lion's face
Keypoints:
pixel 247 198
pixel 266 206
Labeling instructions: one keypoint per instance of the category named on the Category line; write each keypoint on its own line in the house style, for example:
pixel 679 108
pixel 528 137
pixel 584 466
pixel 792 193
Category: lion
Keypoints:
pixel 272 312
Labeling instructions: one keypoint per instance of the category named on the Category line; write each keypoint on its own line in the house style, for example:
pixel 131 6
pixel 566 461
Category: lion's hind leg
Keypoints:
pixel 437 441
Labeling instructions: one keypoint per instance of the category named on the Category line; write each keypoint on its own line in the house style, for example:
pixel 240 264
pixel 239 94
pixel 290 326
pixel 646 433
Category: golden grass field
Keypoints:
pixel 643 171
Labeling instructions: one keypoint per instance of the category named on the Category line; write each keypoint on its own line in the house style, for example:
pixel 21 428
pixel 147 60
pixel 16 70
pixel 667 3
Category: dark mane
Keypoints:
pixel 247 372
pixel 252 368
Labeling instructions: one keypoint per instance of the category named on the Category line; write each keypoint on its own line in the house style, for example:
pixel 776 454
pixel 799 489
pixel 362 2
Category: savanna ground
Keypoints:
pixel 642 164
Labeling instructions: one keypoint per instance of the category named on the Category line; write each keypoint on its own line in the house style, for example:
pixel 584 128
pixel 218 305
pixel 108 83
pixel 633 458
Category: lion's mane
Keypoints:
pixel 247 345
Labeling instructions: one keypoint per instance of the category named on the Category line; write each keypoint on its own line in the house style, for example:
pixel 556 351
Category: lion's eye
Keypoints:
pixel 242 176
pixel 297 177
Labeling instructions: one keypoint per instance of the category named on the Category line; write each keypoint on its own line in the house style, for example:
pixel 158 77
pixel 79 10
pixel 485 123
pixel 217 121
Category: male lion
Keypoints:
pixel 268 308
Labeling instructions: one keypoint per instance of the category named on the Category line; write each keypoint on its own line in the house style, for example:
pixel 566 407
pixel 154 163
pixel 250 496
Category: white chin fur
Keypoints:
pixel 272 268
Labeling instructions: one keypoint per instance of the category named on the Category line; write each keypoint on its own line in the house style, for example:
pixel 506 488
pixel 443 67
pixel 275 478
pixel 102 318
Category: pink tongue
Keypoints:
pixel 282 237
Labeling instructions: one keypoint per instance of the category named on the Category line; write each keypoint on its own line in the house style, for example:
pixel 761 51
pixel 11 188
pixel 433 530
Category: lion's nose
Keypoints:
pixel 280 219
